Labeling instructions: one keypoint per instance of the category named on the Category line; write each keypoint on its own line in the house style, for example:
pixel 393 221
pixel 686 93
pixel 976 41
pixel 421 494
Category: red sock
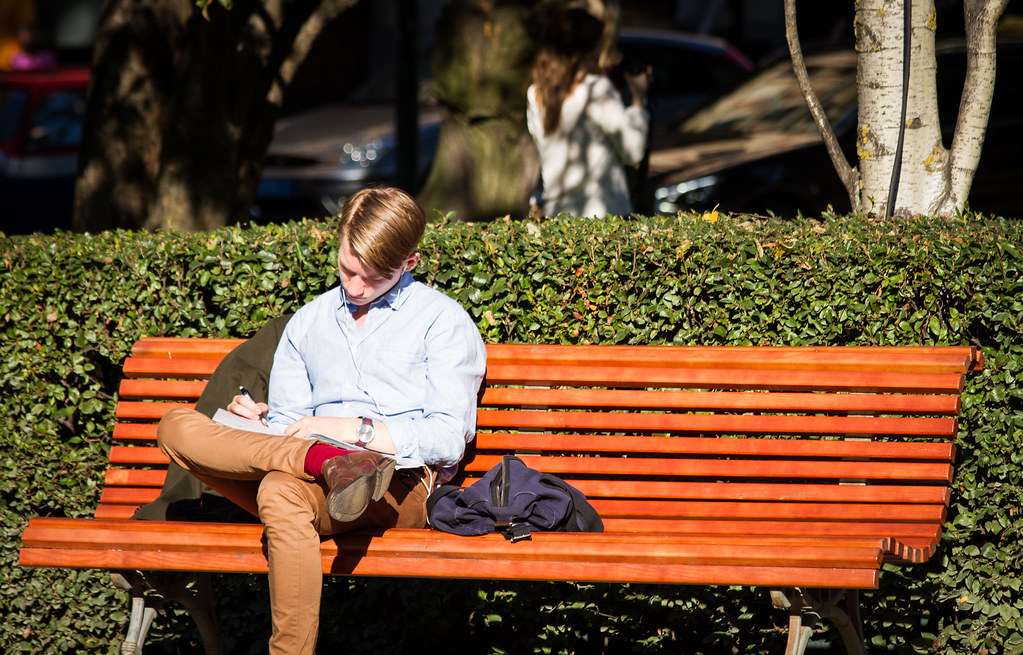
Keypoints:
pixel 318 454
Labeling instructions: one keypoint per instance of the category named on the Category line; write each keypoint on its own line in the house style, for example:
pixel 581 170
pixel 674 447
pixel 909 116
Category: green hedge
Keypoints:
pixel 72 305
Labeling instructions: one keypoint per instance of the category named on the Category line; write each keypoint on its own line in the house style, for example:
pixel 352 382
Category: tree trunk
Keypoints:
pixel 182 108
pixel 879 43
pixel 129 95
pixel 933 179
pixel 981 18
pixel 486 164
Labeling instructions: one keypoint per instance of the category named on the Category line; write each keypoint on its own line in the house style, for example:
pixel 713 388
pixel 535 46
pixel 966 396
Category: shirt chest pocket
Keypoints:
pixel 395 379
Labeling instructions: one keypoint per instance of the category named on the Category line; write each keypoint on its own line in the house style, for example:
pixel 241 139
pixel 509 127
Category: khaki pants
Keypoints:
pixel 264 474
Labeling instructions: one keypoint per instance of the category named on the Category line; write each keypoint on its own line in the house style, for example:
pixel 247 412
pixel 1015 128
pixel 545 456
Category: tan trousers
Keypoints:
pixel 264 474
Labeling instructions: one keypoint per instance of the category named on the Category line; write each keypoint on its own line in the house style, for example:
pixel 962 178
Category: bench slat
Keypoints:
pixel 773 576
pixel 633 445
pixel 185 369
pixel 958 359
pixel 144 479
pixel 666 509
pixel 190 390
pixel 145 455
pixel 729 469
pixel 136 389
pixel 696 378
pixel 183 347
pixel 679 423
pixel 638 445
pixel 778 401
pixel 112 497
pixel 692 509
pixel 725 469
pixel 490 556
pixel 622 548
pixel 118 477
pixel 120 512
pixel 636 377
pixel 953 359
pixel 781 527
pixel 917 540
pixel 944 428
pixel 142 411
pixel 145 432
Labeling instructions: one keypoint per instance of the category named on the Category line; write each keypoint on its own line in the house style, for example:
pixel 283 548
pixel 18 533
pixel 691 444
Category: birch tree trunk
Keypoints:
pixel 932 179
pixel 975 107
pixel 879 46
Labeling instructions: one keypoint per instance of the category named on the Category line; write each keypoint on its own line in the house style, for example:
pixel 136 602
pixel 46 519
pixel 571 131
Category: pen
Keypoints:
pixel 245 392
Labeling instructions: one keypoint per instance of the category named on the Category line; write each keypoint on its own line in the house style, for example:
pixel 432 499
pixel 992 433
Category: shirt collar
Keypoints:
pixel 393 299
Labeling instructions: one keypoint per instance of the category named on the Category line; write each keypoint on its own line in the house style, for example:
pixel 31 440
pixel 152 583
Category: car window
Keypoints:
pixel 12 110
pixel 679 70
pixel 57 122
pixel 772 102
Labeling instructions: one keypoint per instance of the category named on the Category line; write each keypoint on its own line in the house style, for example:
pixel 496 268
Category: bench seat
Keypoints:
pixel 788 468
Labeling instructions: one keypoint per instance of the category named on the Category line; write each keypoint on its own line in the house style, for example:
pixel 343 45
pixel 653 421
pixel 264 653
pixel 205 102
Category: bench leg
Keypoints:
pixel 807 606
pixel 199 604
pixel 150 589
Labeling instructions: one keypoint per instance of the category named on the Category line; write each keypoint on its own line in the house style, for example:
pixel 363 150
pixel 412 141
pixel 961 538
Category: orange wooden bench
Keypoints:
pixel 799 470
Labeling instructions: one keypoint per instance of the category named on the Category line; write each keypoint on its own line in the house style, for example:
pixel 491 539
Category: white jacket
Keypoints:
pixel 582 161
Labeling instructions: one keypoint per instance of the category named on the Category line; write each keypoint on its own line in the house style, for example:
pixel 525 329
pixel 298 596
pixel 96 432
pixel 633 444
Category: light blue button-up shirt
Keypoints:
pixel 416 364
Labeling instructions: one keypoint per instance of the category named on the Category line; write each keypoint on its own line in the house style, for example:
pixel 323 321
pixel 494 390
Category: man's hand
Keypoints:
pixel 245 407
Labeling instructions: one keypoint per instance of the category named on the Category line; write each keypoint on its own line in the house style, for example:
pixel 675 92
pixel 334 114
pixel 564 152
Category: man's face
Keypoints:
pixel 362 284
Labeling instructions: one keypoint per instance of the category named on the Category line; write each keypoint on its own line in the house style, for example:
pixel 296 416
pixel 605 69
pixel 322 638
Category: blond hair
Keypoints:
pixel 383 226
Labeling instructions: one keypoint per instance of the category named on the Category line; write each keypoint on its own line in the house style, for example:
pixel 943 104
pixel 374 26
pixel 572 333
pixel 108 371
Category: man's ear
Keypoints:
pixel 411 262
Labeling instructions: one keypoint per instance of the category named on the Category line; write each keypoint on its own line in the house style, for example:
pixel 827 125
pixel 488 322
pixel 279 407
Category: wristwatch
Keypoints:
pixel 366 432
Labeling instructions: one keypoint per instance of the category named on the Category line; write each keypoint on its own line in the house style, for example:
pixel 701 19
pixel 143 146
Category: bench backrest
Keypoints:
pixel 811 442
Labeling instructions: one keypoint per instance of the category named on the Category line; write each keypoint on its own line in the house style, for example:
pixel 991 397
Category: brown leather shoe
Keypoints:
pixel 355 479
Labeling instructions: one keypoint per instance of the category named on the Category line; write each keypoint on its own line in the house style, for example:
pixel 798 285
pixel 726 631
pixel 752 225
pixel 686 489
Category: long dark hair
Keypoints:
pixel 569 45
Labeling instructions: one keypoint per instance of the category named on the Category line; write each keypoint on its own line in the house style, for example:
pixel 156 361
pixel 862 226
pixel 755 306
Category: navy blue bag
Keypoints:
pixel 514 500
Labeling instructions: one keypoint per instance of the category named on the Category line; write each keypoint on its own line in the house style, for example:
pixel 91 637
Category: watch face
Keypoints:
pixel 366 432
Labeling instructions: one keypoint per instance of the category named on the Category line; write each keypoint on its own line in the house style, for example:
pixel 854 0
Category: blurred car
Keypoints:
pixel 756 148
pixel 41 116
pixel 319 157
pixel 687 68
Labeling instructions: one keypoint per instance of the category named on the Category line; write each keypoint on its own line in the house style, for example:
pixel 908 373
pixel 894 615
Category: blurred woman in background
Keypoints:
pixel 584 132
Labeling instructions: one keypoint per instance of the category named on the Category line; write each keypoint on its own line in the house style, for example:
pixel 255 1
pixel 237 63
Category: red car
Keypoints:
pixel 40 131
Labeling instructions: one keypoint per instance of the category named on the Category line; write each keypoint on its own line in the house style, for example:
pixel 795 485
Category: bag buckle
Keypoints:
pixel 513 531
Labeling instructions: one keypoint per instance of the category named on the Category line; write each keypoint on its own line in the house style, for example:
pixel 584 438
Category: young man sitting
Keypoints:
pixel 382 362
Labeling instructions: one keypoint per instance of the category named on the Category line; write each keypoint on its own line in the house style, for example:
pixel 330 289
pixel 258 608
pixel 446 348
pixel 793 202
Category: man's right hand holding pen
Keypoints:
pixel 245 405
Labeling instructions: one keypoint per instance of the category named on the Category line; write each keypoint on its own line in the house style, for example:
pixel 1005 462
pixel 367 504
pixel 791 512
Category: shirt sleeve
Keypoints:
pixel 291 392
pixel 626 127
pixel 455 360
